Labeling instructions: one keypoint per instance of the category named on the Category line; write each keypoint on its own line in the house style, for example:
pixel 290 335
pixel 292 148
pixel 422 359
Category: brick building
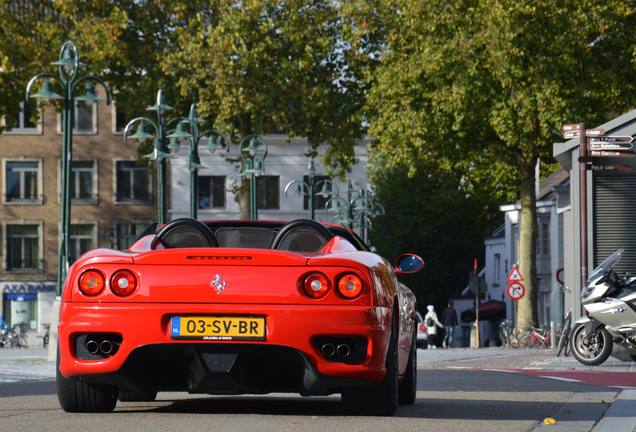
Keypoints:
pixel 112 200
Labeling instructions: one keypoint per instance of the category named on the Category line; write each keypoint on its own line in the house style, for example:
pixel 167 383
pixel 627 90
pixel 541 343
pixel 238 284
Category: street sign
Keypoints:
pixel 611 153
pixel 515 275
pixel 610 167
pixel 515 290
pixel 610 146
pixel 588 132
pixel 571 127
pixel 610 139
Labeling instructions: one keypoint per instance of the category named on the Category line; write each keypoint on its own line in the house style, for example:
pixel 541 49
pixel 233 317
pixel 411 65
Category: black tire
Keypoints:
pixel 564 340
pixel 407 390
pixel 79 396
pixel 596 351
pixel 379 399
pixel 137 397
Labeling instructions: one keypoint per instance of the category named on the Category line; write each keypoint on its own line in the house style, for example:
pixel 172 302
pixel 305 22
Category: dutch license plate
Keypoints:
pixel 218 328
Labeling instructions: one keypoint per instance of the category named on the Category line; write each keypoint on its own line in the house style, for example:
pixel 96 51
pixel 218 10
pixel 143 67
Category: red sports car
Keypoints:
pixel 234 307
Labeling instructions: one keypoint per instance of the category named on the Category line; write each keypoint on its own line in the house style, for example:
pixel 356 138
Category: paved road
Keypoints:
pixel 480 389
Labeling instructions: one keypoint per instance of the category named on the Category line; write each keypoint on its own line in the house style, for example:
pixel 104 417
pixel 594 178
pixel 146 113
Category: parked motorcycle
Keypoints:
pixel 610 301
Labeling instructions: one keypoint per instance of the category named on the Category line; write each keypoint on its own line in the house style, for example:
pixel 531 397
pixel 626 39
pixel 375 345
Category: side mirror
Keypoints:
pixel 408 263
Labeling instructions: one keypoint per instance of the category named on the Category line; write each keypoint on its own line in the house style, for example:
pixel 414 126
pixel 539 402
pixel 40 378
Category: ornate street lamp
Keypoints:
pixel 194 137
pixel 311 186
pixel 354 212
pixel 160 153
pixel 68 69
pixel 253 151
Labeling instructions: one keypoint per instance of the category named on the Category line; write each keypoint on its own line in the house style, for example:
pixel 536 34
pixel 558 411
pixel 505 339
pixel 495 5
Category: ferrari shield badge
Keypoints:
pixel 218 284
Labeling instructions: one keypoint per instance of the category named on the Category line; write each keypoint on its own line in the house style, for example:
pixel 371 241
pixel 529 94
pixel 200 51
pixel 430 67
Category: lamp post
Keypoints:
pixel 309 187
pixel 67 77
pixel 160 152
pixel 253 151
pixel 194 162
pixel 355 210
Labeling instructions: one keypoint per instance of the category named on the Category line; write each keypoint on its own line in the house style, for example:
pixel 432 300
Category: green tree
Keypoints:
pixel 439 210
pixel 262 65
pixel 500 77
pixel 32 34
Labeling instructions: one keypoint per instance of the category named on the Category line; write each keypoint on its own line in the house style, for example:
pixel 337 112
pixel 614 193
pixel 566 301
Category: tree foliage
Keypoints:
pixel 32 33
pixel 463 78
pixel 433 209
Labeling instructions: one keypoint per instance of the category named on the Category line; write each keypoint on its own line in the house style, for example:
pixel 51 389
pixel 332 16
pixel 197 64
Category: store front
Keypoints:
pixel 28 306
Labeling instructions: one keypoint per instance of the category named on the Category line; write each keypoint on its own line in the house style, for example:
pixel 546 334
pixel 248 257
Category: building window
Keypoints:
pixel 22 181
pixel 126 233
pixel 133 182
pixel 84 118
pixel 82 180
pixel 22 247
pixel 497 270
pixel 267 192
pixel 20 122
pixel 82 239
pixel 211 192
pixel 319 200
pixel 543 239
pixel 119 120
pixel 21 310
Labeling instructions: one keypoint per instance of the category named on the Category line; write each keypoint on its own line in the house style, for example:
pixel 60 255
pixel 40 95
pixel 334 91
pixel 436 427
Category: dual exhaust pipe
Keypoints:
pixel 342 349
pixel 330 350
pixel 95 347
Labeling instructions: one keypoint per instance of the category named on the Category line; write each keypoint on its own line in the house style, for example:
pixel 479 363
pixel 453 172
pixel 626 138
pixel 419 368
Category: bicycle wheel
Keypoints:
pixel 525 340
pixel 565 337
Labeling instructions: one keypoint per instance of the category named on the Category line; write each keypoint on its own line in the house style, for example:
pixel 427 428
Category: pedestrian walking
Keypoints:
pixel 432 322
pixel 450 323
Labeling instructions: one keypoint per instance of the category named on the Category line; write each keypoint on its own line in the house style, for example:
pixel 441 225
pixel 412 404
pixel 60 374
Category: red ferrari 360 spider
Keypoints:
pixel 234 307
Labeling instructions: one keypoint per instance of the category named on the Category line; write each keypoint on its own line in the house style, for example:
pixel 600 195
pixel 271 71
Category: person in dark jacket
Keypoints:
pixel 450 323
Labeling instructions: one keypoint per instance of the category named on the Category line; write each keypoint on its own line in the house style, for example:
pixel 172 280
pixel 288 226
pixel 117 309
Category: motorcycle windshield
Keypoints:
pixel 606 266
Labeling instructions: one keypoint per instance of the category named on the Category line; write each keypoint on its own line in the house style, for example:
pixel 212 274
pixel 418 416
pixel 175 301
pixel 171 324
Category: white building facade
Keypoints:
pixel 502 254
pixel 284 163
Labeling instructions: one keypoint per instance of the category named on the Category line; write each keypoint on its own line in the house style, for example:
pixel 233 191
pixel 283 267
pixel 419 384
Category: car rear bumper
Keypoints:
pixel 141 341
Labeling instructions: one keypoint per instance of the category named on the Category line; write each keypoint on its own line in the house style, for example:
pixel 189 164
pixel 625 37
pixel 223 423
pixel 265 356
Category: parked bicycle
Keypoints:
pixel 564 340
pixel 46 336
pixel 535 337
pixel 507 334
pixel 12 337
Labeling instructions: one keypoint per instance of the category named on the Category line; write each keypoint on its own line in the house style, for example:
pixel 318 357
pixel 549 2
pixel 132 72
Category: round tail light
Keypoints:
pixel 92 283
pixel 316 285
pixel 350 286
pixel 123 283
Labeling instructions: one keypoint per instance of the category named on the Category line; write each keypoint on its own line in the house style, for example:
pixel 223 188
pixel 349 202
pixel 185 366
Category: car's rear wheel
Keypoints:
pixel 79 396
pixel 408 389
pixel 379 399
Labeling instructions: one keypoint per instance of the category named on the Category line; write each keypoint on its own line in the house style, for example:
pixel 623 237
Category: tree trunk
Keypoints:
pixel 527 305
pixel 243 199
